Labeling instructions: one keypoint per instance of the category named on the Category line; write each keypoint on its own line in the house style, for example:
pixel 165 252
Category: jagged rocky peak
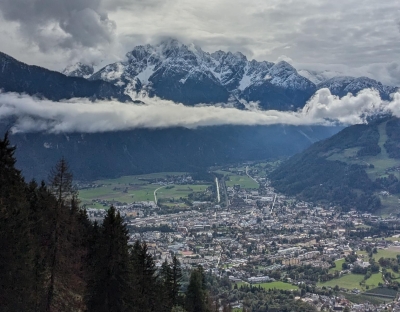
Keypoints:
pixel 361 83
pixel 336 84
pixel 344 84
pixel 338 80
pixel 284 75
pixel 172 48
pixel 224 57
pixel 79 70
pixel 282 69
pixel 140 53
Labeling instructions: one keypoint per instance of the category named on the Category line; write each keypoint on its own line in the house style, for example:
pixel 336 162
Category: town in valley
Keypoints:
pixel 234 224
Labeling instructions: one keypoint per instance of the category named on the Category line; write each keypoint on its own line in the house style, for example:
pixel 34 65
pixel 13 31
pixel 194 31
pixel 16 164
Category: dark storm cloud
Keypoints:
pixel 60 23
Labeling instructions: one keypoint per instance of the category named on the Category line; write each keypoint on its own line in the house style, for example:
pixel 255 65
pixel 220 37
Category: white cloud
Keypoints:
pixel 80 115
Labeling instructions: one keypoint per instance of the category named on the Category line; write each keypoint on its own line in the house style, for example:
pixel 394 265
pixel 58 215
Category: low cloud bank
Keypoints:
pixel 80 115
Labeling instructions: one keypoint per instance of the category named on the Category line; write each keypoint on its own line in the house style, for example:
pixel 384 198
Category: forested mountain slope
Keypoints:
pixel 348 168
pixel 19 77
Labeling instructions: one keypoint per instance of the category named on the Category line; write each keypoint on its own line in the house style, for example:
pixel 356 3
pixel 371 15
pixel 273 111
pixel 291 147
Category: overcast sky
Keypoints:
pixel 352 37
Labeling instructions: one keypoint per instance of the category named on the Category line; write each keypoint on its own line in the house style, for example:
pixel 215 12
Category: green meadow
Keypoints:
pixel 136 188
pixel 243 180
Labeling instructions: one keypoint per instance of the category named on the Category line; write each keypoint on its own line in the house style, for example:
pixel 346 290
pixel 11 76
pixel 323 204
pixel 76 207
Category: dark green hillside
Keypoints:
pixel 348 169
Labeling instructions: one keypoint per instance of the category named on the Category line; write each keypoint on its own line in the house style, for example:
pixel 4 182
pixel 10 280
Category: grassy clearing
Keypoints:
pixel 180 191
pixel 338 266
pixel 139 179
pixel 242 284
pixel 374 280
pixel 381 161
pixel 395 275
pixel 243 180
pixel 391 252
pixel 348 281
pixel 363 226
pixel 270 286
pixel 390 205
pixel 345 155
pixel 380 165
pixel 277 285
pixel 392 239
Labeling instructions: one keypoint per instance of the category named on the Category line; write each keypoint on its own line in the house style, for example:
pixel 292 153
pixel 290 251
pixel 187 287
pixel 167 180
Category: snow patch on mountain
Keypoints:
pixel 285 75
pixel 79 70
pixel 144 75
pixel 113 72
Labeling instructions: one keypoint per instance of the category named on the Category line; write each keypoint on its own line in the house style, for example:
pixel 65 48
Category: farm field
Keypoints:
pixel 180 191
pixel 382 291
pixel 364 297
pixel 136 188
pixel 243 180
pixel 278 285
pixel 391 252
pixel 395 275
pixel 349 281
pixel 237 176
pixel 374 280
pixel 139 179
pixel 122 193
pixel 272 285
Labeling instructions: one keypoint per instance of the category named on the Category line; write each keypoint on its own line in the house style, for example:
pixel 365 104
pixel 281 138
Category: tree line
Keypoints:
pixel 52 258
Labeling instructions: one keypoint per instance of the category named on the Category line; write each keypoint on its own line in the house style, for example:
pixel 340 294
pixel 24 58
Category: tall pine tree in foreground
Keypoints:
pixel 16 277
pixel 109 287
pixel 171 275
pixel 196 294
pixel 146 287
pixel 66 247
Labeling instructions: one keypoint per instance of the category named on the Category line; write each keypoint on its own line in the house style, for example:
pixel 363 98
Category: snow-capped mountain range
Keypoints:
pixel 187 74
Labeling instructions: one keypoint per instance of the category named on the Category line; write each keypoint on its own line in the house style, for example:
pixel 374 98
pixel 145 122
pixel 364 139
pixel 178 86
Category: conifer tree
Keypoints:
pixel 40 203
pixel 145 286
pixel 15 239
pixel 196 294
pixel 63 232
pixel 171 275
pixel 176 281
pixel 109 287
pixel 166 281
